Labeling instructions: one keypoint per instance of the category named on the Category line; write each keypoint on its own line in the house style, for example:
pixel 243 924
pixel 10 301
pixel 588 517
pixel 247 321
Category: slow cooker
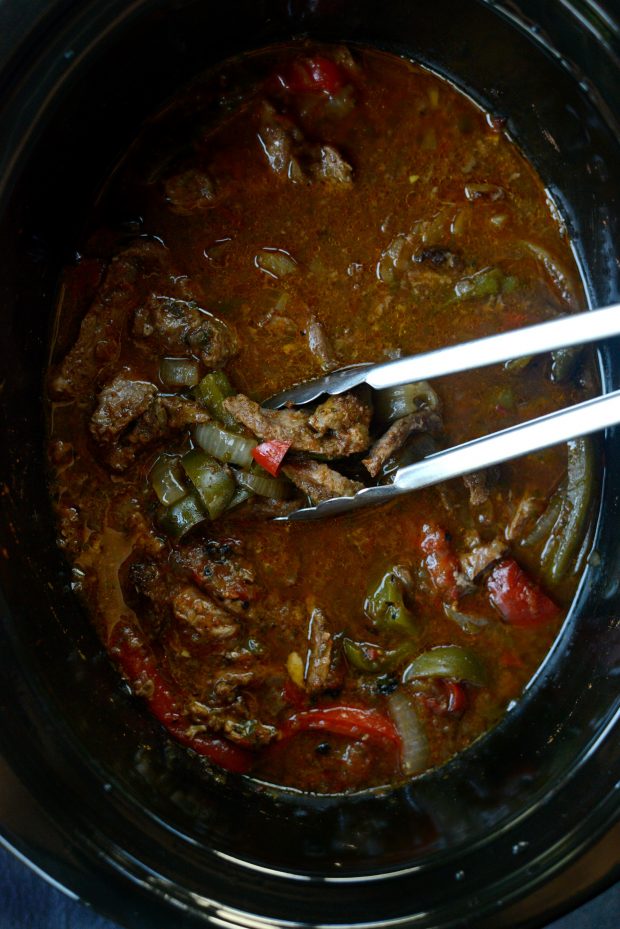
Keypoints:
pixel 516 829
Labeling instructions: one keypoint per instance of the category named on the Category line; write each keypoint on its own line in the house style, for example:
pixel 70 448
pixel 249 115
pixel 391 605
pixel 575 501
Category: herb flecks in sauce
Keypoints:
pixel 302 209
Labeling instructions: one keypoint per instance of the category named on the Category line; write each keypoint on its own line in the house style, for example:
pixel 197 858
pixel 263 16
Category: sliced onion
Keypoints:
pixel 224 445
pixel 396 402
pixel 488 191
pixel 167 480
pixel 414 752
pixel 179 372
pixel 273 487
pixel 275 261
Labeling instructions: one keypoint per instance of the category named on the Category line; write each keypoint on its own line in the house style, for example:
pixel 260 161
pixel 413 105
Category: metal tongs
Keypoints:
pixel 533 435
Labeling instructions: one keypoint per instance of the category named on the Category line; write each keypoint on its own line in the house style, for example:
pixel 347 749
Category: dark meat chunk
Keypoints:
pixel 292 157
pixel 182 327
pixel 182 413
pixel 279 138
pixel 226 685
pixel 131 417
pixel 146 579
pixel 319 481
pixel 528 510
pixel 339 414
pixel 399 431
pixel 150 428
pixel 118 405
pixel 236 726
pixel 294 426
pixel 219 569
pixel 329 165
pixel 478 484
pixel 264 508
pixel 191 607
pixel 482 557
pixel 189 191
pixel 319 344
pixel 319 653
pixel 96 351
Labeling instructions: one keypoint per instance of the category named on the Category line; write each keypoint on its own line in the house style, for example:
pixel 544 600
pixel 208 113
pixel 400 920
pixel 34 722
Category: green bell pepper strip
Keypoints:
pixel 564 363
pixel 486 283
pixel 182 516
pixel 372 659
pixel 385 606
pixel 565 538
pixel 211 392
pixel 448 661
pixel 166 478
pixel 212 480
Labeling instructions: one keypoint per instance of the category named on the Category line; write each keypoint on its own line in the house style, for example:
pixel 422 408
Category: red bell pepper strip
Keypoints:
pixel 269 455
pixel 351 721
pixel 457 698
pixel 137 662
pixel 453 701
pixel 519 600
pixel 312 75
pixel 441 562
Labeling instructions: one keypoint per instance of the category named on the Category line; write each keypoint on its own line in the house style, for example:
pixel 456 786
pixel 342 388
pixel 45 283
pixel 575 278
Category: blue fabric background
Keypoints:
pixel 27 902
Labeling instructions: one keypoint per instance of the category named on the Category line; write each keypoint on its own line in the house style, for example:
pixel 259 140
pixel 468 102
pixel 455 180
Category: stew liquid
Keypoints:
pixel 303 208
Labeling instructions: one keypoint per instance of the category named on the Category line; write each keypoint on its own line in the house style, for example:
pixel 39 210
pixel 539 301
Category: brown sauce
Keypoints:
pixel 402 219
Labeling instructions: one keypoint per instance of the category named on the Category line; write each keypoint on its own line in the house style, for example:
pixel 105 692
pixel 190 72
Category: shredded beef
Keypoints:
pixel 329 165
pixel 397 434
pixel 279 138
pixel 319 344
pixel 295 427
pixel 319 653
pixel 97 349
pixel 319 481
pixel 182 327
pixel 189 191
pixel 264 508
pixel 193 608
pixel 482 557
pixel 477 486
pixel 528 510
pixel 119 404
pixel 182 413
pixel 339 414
pixel 219 569
pixel 236 726
pixel 130 416
pixel 291 156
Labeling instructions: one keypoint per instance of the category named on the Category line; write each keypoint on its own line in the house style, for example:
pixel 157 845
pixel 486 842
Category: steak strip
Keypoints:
pixel 319 481
pixel 295 426
pixel 397 434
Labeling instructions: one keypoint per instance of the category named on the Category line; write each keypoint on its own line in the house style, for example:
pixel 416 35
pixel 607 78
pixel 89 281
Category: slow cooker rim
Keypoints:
pixel 136 5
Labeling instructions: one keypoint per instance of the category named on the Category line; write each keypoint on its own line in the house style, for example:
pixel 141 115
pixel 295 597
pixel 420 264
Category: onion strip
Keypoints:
pixel 225 446
pixel 415 750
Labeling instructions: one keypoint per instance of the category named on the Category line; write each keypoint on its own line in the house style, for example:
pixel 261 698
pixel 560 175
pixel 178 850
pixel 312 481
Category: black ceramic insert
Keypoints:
pixel 135 823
